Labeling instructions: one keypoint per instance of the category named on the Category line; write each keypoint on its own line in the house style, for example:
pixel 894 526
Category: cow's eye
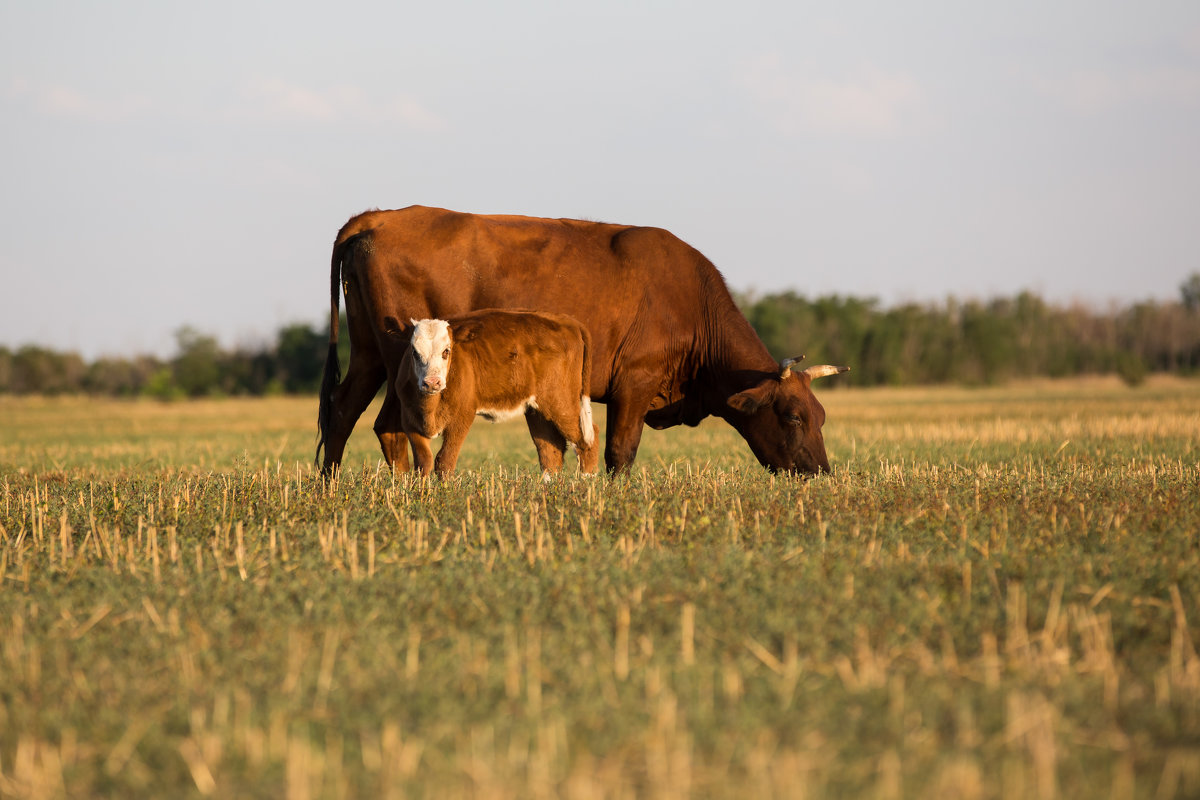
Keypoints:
pixel 795 419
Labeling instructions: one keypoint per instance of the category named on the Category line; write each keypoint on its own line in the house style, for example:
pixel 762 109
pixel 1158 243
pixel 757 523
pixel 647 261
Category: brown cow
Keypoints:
pixel 669 346
pixel 497 364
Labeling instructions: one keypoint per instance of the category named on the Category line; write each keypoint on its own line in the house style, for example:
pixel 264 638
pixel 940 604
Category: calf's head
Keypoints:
pixel 781 419
pixel 431 345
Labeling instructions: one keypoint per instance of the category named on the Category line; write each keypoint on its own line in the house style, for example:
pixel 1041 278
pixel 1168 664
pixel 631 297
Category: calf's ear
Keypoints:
pixel 752 399
pixel 404 373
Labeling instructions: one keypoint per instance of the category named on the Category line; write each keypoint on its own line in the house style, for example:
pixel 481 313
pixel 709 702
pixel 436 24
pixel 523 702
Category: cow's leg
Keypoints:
pixel 548 439
pixel 388 430
pixel 350 400
pixel 452 441
pixel 626 417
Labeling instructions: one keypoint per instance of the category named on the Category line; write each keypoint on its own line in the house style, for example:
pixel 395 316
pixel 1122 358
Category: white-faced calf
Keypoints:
pixel 498 364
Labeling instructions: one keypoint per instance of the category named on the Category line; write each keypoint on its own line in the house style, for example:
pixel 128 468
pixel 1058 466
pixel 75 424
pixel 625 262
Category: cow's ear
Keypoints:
pixel 752 399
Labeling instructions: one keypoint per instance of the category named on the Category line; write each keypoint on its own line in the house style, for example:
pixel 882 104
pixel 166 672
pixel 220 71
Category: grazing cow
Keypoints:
pixel 669 346
pixel 497 364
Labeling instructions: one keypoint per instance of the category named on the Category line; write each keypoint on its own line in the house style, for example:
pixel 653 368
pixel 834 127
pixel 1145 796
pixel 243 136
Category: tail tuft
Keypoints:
pixel 585 420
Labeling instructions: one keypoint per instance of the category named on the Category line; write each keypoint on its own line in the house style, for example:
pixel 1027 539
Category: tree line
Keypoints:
pixel 982 342
pixel 292 364
pixel 972 342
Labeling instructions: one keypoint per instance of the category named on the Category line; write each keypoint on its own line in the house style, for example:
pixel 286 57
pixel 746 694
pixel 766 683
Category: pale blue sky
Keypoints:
pixel 167 163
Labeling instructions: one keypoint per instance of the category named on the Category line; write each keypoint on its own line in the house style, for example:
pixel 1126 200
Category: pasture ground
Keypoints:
pixel 995 595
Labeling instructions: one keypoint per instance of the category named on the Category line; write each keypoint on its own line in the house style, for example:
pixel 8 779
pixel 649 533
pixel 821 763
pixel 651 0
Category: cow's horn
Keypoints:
pixel 824 370
pixel 785 366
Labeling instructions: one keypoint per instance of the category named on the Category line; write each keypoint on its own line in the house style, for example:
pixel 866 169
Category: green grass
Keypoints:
pixel 996 594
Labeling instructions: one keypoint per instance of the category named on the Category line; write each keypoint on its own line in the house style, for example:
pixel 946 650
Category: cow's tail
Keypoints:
pixel 585 402
pixel 333 369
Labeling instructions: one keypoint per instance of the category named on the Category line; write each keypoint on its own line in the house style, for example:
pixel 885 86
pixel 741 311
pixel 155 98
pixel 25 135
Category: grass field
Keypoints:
pixel 995 595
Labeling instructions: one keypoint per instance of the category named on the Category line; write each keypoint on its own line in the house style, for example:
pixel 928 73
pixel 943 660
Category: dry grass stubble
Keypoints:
pixel 995 595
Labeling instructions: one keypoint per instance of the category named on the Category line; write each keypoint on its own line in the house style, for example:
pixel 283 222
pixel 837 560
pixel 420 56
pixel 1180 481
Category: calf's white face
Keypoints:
pixel 431 344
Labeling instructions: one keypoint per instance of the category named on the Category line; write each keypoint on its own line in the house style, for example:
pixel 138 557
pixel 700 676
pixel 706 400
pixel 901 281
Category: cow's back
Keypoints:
pixel 637 291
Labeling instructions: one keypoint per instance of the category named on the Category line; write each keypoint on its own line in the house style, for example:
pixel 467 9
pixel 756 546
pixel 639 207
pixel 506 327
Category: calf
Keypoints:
pixel 498 364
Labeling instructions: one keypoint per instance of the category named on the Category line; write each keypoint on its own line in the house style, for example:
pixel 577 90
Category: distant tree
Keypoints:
pixel 6 360
pixel 908 344
pixel 777 318
pixel 1131 369
pixel 988 334
pixel 38 370
pixel 197 368
pixel 831 335
pixel 246 371
pixel 1189 292
pixel 300 357
pixel 161 385
pixel 120 377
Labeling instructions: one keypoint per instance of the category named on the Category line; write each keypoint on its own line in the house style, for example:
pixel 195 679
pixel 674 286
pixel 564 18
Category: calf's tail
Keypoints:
pixel 585 420
pixel 585 402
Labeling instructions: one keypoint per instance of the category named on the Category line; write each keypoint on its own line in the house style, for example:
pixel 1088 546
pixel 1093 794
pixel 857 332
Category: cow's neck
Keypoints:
pixel 736 358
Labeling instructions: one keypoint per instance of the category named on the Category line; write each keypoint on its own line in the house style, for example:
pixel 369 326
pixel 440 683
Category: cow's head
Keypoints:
pixel 431 346
pixel 781 419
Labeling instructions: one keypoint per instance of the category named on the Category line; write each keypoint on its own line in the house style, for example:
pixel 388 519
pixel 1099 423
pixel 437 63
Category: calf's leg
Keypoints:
pixel 422 450
pixel 589 454
pixel 548 440
pixel 452 441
